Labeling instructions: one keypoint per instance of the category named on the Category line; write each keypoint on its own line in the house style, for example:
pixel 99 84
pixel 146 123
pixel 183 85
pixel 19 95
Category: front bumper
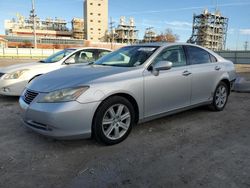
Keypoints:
pixel 12 87
pixel 68 120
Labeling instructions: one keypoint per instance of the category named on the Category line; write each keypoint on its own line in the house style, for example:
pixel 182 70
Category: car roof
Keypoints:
pixel 83 48
pixel 165 44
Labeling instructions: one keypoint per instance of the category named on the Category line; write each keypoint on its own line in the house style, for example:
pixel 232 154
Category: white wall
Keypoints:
pixel 26 52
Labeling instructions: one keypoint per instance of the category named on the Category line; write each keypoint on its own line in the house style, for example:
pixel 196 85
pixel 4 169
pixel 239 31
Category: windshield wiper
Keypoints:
pixel 41 61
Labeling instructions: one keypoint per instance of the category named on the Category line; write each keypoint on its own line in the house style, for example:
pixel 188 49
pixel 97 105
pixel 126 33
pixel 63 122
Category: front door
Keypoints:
pixel 171 89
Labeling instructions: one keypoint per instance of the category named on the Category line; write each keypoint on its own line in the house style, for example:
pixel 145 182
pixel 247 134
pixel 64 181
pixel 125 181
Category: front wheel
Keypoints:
pixel 220 97
pixel 113 120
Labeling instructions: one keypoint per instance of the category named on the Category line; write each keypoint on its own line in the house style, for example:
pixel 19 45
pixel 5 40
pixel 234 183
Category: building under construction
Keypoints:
pixel 126 32
pixel 51 33
pixel 44 28
pixel 210 30
pixel 77 28
pixel 150 35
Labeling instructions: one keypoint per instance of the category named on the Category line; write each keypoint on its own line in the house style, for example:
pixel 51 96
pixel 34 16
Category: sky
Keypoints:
pixel 160 14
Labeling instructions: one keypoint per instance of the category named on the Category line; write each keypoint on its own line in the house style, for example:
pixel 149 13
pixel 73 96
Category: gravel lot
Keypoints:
pixel 196 148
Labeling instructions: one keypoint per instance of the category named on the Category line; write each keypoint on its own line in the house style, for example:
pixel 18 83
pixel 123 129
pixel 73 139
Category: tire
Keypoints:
pixel 220 97
pixel 113 120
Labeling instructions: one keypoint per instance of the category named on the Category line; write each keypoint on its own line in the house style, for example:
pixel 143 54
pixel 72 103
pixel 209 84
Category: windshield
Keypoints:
pixel 130 56
pixel 57 56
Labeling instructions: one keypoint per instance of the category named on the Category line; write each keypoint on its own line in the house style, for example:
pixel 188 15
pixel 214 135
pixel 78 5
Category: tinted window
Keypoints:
pixel 198 55
pixel 173 54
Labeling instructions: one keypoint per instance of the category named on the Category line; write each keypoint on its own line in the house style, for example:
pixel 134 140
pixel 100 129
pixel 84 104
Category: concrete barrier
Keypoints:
pixel 238 57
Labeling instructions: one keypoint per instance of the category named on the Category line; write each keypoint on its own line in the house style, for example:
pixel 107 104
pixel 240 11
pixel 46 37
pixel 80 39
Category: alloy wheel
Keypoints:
pixel 221 96
pixel 116 121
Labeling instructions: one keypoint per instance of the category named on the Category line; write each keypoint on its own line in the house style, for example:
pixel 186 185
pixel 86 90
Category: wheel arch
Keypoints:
pixel 34 77
pixel 227 82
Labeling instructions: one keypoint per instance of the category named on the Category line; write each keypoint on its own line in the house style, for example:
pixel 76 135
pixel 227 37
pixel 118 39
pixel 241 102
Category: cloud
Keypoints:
pixel 162 24
pixel 179 24
pixel 188 8
pixel 245 31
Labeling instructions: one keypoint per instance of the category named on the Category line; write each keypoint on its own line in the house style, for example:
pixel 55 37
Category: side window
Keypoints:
pixel 84 56
pixel 173 54
pixel 197 55
pixel 213 59
pixel 103 53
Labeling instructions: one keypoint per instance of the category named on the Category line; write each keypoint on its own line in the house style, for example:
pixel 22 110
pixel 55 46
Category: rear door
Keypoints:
pixel 205 73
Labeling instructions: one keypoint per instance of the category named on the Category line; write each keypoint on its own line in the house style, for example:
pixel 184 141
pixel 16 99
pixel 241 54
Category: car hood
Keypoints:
pixel 22 66
pixel 80 76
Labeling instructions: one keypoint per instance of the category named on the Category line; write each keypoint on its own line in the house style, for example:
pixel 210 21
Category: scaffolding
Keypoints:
pixel 78 28
pixel 210 30
pixel 126 32
pixel 22 24
pixel 150 35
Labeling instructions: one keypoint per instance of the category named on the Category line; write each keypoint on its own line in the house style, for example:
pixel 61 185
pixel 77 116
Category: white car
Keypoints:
pixel 13 79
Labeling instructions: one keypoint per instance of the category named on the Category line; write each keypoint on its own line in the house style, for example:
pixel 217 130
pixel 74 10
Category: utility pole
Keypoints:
pixel 33 16
pixel 246 46
pixel 112 31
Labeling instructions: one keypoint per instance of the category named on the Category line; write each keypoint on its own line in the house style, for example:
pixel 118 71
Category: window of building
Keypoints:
pixel 91 20
pixel 91 3
pixel 99 14
pixel 91 13
pixel 99 29
pixel 99 21
pixel 91 29
pixel 99 4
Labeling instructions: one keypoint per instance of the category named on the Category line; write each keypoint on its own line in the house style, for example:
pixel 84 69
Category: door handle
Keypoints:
pixel 217 68
pixel 186 73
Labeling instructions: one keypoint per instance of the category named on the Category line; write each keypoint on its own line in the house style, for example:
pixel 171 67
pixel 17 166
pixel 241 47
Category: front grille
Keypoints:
pixel 1 74
pixel 29 96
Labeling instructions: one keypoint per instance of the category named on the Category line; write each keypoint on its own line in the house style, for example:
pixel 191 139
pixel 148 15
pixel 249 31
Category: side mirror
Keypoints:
pixel 162 65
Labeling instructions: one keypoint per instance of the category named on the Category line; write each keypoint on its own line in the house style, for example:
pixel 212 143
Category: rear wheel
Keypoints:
pixel 220 97
pixel 113 120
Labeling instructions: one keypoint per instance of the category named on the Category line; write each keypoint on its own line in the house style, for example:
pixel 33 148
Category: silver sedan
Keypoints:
pixel 131 85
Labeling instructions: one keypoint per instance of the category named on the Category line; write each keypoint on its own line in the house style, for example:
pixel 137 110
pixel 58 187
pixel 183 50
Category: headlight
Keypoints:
pixel 14 75
pixel 63 95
